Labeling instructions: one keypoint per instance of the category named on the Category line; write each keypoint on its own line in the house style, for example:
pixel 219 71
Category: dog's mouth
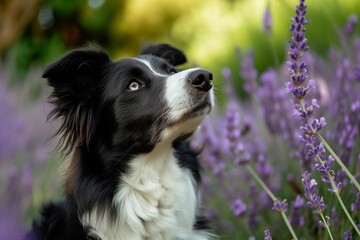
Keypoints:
pixel 198 110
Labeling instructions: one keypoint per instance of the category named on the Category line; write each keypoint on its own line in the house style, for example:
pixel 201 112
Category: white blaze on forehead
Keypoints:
pixel 176 94
pixel 148 64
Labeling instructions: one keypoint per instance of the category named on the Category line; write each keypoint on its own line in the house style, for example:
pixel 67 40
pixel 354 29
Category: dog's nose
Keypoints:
pixel 201 79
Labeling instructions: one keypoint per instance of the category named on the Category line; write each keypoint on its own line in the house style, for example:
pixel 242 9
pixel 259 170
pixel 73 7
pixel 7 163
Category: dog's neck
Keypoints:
pixel 155 199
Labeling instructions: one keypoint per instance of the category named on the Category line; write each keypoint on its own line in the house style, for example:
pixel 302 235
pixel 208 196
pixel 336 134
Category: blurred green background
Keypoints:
pixel 36 32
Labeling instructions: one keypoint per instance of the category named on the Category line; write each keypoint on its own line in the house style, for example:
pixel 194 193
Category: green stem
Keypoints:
pixel 260 182
pixel 337 159
pixel 272 196
pixel 336 191
pixel 327 146
pixel 326 225
pixel 286 220
pixel 347 213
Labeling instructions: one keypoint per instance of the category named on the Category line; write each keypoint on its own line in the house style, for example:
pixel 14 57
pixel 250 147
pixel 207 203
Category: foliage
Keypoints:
pixel 206 31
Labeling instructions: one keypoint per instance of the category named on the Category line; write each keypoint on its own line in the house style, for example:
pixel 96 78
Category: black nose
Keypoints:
pixel 201 79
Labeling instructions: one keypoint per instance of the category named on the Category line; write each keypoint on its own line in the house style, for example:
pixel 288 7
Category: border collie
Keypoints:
pixel 126 123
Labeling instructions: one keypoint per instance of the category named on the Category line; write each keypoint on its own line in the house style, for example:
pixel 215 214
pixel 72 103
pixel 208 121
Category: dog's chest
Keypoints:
pixel 155 200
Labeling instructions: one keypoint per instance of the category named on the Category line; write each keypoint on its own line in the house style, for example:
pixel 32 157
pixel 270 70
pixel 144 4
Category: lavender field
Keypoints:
pixel 288 156
pixel 281 155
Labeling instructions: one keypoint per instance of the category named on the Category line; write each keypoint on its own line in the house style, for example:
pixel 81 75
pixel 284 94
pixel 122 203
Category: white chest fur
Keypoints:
pixel 156 200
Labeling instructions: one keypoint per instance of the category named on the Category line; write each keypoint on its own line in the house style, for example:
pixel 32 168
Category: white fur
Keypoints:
pixel 147 63
pixel 177 95
pixel 156 200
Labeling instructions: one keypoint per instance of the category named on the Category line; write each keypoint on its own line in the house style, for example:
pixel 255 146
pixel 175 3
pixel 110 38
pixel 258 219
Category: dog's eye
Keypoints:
pixel 134 85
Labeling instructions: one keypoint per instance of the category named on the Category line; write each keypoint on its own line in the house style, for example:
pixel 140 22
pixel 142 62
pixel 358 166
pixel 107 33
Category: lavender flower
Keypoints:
pixel 300 85
pixel 347 235
pixel 348 129
pixel 266 172
pixel 213 151
pixel 238 207
pixel 298 46
pixel 229 89
pixel 248 71
pixel 325 169
pixel 254 209
pixel 316 151
pixel 315 201
pixel 311 193
pixel 334 217
pixel 267 20
pixel 298 69
pixel 272 102
pixel 10 225
pixel 12 126
pixel 275 109
pixel 357 73
pixel 344 111
pixel 355 207
pixel 24 147
pixel 267 235
pixel 280 206
pixel 350 25
pixel 233 135
pixel 296 218
pixel 231 147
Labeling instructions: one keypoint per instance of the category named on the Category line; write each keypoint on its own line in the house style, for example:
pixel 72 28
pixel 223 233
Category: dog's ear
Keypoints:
pixel 77 71
pixel 167 52
pixel 75 80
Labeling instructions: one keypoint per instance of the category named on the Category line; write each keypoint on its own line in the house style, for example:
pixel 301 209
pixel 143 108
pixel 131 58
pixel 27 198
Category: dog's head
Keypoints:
pixel 131 104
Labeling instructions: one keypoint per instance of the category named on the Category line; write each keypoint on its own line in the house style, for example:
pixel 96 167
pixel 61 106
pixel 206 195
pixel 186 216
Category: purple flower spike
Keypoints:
pixel 233 134
pixel 311 193
pixel 280 206
pixel 357 73
pixel 233 122
pixel 316 126
pixel 238 207
pixel 347 235
pixel 296 218
pixel 226 73
pixel 267 20
pixel 267 235
pixel 355 207
pixel 248 72
pixel 350 25
pixel 300 84
pixel 298 46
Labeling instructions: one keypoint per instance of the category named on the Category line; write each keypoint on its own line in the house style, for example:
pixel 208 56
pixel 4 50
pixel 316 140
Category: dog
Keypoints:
pixel 133 174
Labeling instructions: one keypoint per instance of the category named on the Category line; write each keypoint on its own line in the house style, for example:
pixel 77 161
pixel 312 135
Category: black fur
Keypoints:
pixel 76 79
pixel 91 99
pixel 167 52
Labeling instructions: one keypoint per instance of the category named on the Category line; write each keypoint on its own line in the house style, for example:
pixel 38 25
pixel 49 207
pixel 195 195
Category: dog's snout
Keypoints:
pixel 201 79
